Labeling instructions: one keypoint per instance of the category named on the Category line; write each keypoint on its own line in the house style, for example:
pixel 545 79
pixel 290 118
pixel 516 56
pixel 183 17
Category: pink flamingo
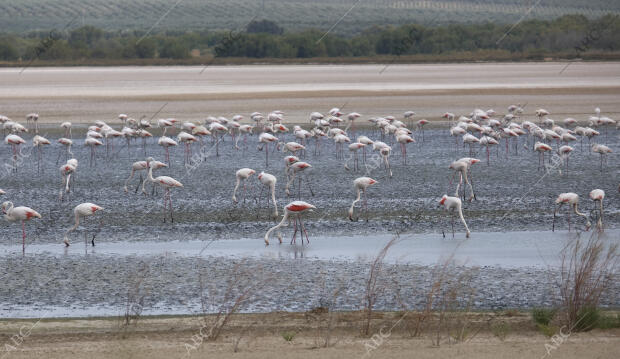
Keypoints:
pixel 597 195
pixel 265 139
pixel 295 208
pixel 21 214
pixel 404 139
pixel 66 171
pixel 39 142
pixel 92 143
pixel 14 141
pixel 67 143
pixel 572 199
pixel 361 184
pixel 294 168
pixel 141 166
pixel 82 210
pixel 186 139
pixel 541 148
pixel 354 147
pixel 167 142
pixel 269 180
pixel 453 204
pixel 242 175
pixel 166 183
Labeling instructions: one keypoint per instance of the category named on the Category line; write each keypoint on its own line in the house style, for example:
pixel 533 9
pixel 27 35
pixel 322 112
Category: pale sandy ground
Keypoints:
pixel 84 95
pixel 261 337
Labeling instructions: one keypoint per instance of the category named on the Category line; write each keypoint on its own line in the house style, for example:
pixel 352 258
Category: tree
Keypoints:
pixel 8 52
pixel 145 49
pixel 264 26
pixel 85 36
pixel 173 49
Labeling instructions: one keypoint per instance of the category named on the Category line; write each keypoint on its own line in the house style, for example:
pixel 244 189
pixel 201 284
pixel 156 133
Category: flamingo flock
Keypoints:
pixel 478 130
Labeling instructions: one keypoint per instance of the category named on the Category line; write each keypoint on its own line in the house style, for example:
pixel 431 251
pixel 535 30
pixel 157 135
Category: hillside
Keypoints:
pixel 28 15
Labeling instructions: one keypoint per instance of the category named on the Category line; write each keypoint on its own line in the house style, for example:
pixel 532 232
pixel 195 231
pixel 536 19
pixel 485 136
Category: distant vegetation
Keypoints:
pixel 568 36
pixel 292 15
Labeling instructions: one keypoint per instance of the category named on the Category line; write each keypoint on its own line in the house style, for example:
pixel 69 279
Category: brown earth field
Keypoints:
pixel 509 334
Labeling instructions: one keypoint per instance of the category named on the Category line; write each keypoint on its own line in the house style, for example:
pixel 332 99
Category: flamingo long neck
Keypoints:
pixel 576 210
pixel 272 187
pixel 9 211
pixel 234 197
pixel 357 199
pixel 129 179
pixel 67 179
pixel 463 219
pixel 284 218
pixel 290 180
pixel 77 223
pixel 151 173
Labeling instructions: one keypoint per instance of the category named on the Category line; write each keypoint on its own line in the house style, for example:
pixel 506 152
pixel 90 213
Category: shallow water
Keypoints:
pixel 496 249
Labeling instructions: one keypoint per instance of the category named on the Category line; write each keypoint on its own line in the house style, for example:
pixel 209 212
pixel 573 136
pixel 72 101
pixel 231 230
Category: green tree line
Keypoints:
pixel 265 39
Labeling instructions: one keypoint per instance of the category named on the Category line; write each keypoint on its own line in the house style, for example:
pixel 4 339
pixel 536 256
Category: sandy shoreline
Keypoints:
pixel 261 336
pixel 87 94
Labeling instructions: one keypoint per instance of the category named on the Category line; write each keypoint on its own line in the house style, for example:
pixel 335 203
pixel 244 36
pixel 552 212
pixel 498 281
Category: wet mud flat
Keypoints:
pixel 511 193
pixel 92 285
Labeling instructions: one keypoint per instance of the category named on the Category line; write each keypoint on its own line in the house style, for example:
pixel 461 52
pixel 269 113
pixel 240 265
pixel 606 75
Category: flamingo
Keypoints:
pixel 92 143
pixel 186 139
pixel 265 139
pixel 298 166
pixel 269 180
pixel 462 166
pixel 166 183
pixel 242 175
pixel 295 208
pixel 597 195
pixel 541 148
pixel 352 117
pixel 360 184
pixel 354 147
pixel 454 204
pixel 420 127
pixel 34 117
pixel 487 141
pixel 565 151
pixel 215 128
pixel 244 130
pixel 366 141
pixel 601 150
pixel 67 143
pixel 82 210
pixel 67 127
pixel 38 142
pixel 404 139
pixel 167 142
pixel 66 171
pixel 14 141
pixel 572 199
pixel 21 214
pixel 140 166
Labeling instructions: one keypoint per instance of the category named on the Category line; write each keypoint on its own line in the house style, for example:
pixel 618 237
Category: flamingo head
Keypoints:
pixel 148 161
pixel 5 206
pixel 443 200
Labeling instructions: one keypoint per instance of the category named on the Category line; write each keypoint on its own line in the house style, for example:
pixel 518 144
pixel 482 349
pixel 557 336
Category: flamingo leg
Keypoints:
pixel 23 238
pixel 303 228
pixel 452 217
pixel 295 231
pixel 165 204
pixel 365 205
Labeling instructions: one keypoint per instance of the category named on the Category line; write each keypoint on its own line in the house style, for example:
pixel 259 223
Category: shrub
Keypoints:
pixel 543 316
